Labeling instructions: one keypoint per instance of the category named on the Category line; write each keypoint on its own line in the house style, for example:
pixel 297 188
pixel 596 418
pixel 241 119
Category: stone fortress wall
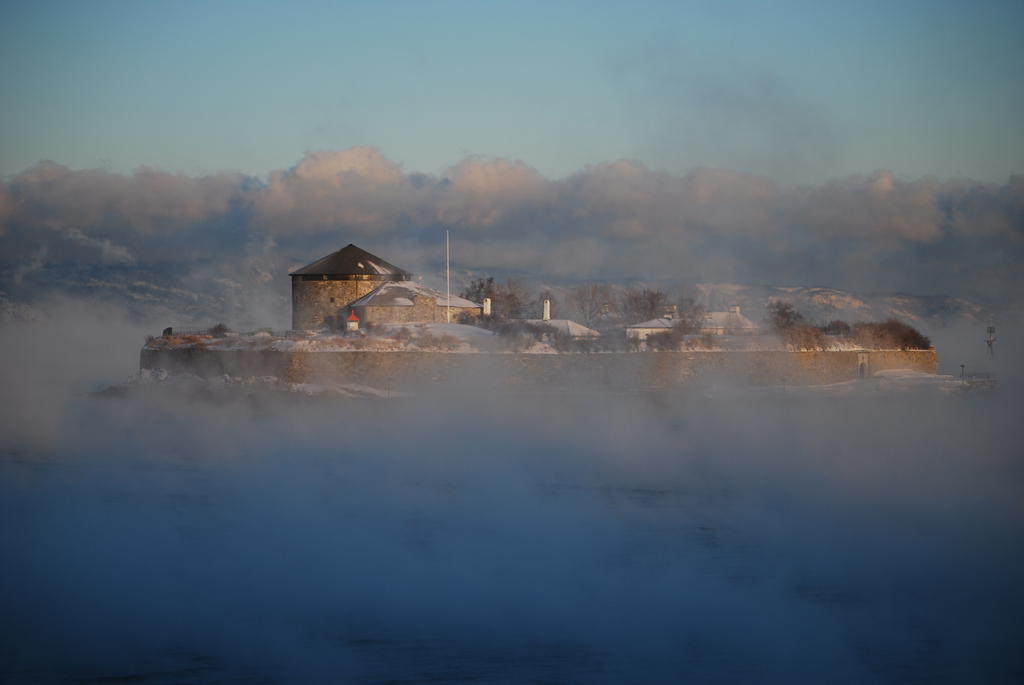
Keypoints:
pixel 315 302
pixel 423 310
pixel 413 370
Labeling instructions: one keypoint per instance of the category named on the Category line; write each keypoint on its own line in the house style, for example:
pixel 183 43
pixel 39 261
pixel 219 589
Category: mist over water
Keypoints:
pixel 179 533
pixel 855 165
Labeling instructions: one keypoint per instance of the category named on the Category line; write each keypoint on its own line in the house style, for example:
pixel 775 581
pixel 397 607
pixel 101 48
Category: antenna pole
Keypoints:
pixel 448 274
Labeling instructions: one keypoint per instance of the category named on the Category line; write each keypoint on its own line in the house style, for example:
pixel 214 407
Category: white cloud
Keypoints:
pixel 617 217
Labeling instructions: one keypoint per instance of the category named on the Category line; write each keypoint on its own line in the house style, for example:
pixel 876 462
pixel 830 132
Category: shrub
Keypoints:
pixel 672 339
pixel 429 341
pixel 471 319
pixel 567 343
pixel 664 342
pixel 705 341
pixel 804 337
pixel 890 334
pixel 448 342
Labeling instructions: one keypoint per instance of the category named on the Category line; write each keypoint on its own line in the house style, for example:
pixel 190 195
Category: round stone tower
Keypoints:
pixel 322 290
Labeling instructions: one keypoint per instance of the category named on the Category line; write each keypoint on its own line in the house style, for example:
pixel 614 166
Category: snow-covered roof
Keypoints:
pixel 566 327
pixel 404 294
pixel 728 321
pixel 661 323
pixel 353 261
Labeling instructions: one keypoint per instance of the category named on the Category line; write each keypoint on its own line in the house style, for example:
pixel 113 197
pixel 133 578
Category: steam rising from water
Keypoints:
pixel 204 536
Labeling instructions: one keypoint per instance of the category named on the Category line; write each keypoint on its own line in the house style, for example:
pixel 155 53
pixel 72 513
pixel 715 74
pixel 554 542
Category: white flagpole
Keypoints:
pixel 448 273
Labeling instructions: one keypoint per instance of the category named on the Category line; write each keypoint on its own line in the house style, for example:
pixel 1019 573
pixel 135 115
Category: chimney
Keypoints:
pixel 734 309
pixel 487 306
pixel 547 310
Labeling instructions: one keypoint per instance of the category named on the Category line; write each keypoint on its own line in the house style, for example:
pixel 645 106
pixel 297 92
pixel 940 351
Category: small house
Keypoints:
pixel 732 322
pixel 566 327
pixel 639 332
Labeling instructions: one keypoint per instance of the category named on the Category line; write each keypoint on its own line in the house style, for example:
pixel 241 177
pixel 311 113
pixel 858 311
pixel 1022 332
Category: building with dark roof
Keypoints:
pixel 325 292
pixel 322 290
pixel 351 263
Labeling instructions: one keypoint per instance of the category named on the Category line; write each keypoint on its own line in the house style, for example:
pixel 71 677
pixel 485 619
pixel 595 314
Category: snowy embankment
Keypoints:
pixel 887 382
pixel 900 381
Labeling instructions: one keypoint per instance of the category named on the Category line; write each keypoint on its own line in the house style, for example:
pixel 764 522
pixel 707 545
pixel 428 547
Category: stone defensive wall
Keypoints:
pixel 315 302
pixel 417 370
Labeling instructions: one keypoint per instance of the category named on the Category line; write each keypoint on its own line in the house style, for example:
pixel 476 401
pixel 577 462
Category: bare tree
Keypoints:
pixel 640 305
pixel 782 316
pixel 511 298
pixel 793 328
pixel 508 299
pixel 479 288
pixel 689 316
pixel 590 300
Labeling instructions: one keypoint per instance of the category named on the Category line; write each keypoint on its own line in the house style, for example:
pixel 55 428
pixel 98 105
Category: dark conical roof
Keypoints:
pixel 354 261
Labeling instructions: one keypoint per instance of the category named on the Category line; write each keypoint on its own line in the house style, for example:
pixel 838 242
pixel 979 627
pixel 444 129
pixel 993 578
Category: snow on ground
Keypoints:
pixel 888 382
pixel 896 381
pixel 343 389
pixel 907 379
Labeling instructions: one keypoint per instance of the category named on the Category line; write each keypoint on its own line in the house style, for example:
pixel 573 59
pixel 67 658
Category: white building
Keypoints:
pixel 641 331
pixel 565 327
pixel 731 322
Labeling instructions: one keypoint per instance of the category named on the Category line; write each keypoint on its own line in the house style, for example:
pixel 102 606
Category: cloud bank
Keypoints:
pixel 615 220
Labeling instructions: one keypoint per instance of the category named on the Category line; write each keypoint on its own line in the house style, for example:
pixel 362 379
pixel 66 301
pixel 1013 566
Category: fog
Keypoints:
pixel 187 532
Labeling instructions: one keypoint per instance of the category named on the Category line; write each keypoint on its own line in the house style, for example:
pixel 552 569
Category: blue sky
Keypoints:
pixel 801 91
